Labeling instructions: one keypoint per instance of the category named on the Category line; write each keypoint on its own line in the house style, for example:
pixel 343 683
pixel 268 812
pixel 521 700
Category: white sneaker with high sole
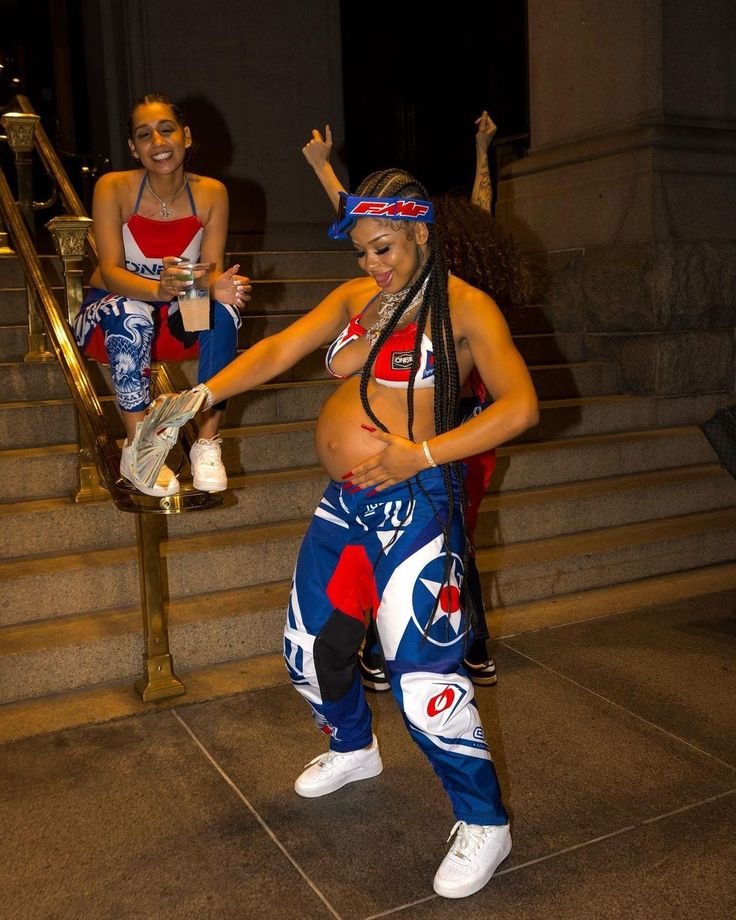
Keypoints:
pixel 166 481
pixel 474 856
pixel 208 470
pixel 333 770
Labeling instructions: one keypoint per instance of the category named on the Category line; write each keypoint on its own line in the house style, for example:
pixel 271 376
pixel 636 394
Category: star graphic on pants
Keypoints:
pixel 449 605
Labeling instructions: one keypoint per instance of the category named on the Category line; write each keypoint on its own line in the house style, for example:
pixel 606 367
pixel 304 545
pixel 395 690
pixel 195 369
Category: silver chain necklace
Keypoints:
pixel 387 304
pixel 166 211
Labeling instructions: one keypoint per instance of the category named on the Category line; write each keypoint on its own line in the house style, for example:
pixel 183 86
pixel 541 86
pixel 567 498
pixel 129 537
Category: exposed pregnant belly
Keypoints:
pixel 342 444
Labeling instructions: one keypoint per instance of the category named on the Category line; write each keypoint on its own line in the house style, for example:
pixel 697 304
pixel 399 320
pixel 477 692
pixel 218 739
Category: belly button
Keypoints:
pixel 332 445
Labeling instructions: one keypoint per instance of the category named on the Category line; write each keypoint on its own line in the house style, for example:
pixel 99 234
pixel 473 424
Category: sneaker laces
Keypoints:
pixel 324 760
pixel 209 451
pixel 468 839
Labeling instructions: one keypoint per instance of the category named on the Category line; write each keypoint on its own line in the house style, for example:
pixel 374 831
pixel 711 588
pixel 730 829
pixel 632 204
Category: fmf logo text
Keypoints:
pixel 389 209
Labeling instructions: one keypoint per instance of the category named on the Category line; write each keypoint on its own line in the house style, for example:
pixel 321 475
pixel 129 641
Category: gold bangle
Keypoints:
pixel 427 454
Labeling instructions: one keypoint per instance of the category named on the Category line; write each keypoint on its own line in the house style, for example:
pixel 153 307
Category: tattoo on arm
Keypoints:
pixel 482 192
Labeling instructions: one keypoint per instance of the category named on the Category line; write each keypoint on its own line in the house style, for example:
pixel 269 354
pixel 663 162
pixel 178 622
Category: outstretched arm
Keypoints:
pixel 482 193
pixel 277 353
pixel 317 153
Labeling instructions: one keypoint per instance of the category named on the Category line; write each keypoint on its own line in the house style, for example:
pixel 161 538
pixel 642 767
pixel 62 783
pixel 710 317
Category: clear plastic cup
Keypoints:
pixel 194 296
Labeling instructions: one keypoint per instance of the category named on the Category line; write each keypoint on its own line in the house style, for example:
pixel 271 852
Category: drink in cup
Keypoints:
pixel 194 295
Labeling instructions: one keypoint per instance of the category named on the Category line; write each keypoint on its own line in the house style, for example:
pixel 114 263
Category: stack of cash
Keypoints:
pixel 157 433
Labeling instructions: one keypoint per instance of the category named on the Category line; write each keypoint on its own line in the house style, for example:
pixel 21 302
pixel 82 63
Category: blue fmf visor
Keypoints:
pixel 351 207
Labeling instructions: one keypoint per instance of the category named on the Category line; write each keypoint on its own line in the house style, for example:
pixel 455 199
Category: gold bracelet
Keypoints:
pixel 427 454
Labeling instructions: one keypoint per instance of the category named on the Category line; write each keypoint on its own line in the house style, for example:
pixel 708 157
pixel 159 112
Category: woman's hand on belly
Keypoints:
pixel 398 459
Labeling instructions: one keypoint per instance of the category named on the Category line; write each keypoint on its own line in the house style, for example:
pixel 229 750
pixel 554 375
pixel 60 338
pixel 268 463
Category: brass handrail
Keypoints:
pixel 56 172
pixel 70 358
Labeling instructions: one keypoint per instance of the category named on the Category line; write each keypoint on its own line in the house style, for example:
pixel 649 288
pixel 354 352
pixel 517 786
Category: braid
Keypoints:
pixel 381 340
pixel 436 306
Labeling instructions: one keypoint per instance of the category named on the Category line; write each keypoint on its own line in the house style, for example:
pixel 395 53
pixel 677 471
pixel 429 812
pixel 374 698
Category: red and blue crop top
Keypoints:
pixel 393 362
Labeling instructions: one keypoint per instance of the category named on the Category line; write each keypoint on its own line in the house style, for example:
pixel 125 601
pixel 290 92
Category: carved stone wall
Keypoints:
pixel 630 182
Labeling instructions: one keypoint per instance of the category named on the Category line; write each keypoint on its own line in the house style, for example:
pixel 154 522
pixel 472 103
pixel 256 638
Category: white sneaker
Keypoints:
pixel 166 481
pixel 334 770
pixel 208 470
pixel 474 856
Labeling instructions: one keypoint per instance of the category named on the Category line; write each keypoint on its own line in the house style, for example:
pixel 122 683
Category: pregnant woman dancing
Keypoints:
pixel 387 539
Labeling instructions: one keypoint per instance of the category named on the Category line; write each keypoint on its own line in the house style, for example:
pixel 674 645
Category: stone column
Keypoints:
pixel 629 185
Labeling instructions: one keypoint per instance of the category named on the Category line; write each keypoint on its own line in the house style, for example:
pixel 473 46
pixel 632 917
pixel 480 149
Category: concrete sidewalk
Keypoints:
pixel 615 740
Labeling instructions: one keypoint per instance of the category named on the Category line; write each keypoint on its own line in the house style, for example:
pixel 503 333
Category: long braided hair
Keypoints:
pixel 390 183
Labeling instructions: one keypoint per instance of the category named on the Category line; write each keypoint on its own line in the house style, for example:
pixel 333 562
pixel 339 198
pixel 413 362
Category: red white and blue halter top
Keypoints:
pixel 147 241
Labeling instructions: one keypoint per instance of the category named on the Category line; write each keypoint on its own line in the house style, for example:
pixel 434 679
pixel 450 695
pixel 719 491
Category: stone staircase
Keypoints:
pixel 608 489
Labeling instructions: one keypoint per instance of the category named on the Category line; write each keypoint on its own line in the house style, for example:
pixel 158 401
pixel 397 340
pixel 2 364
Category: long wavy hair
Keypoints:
pixel 478 250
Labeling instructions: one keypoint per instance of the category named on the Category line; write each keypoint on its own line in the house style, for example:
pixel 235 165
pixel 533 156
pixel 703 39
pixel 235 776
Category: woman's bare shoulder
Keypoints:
pixel 206 186
pixel 358 291
pixel 471 308
pixel 461 294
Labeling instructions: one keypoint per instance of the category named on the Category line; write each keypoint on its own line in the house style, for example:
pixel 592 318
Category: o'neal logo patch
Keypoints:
pixel 441 702
pixel 446 701
pixel 401 360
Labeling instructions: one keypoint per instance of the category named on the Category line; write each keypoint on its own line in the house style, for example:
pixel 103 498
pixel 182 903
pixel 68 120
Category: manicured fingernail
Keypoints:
pixel 368 427
pixel 372 492
pixel 347 475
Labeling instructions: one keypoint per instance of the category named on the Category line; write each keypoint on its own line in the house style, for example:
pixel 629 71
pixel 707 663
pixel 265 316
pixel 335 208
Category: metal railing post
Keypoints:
pixel 158 681
pixel 20 129
pixel 69 234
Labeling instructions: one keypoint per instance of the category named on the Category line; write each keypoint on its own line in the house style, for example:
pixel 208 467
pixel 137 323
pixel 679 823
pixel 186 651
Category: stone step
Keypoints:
pixel 14 305
pixel 523 572
pixel 46 472
pixel 37 472
pixel 44 658
pixel 599 414
pixel 539 513
pixel 292 297
pixel 567 417
pixel 104 578
pixel 266 266
pixel 25 382
pixel 263 446
pixel 49 656
pixel 13 341
pixel 536 348
pixel 79 651
pixel 58 525
pixel 228 558
pixel 11 273
pixel 594 456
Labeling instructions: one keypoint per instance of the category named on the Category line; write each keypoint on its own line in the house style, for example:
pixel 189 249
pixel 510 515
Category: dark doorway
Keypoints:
pixel 415 80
